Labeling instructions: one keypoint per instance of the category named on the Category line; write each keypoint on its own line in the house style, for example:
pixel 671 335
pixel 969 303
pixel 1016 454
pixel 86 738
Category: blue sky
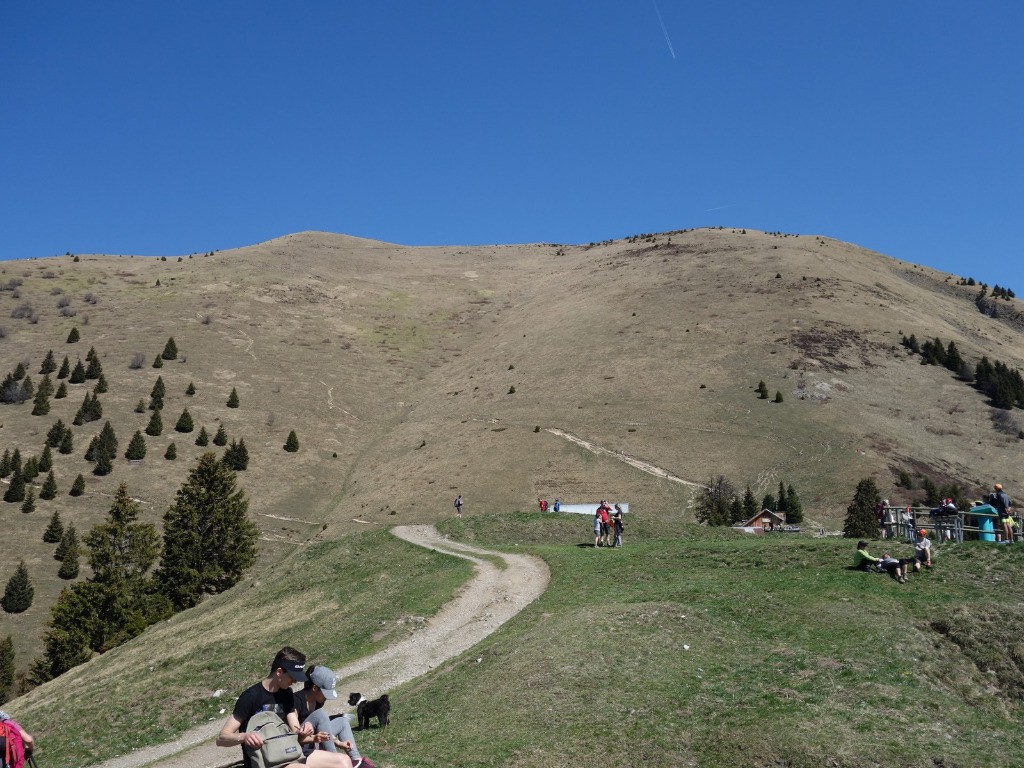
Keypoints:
pixel 167 128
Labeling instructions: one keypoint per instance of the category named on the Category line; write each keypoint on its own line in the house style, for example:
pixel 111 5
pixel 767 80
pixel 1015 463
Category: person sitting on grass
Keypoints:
pixel 922 550
pixel 273 694
pixel 309 705
pixel 862 560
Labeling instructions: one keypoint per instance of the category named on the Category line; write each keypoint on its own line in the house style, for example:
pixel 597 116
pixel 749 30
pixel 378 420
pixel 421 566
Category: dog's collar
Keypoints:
pixel 361 700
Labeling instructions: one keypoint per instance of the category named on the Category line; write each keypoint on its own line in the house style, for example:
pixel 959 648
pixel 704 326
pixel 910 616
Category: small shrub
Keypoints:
pixel 63 301
pixel 778 396
pixel 512 389
pixel 137 361
pixel 191 390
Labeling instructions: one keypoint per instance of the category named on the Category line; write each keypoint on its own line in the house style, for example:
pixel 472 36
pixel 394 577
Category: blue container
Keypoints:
pixel 987 529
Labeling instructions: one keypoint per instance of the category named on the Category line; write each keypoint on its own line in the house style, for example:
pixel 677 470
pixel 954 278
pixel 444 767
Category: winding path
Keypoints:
pixel 493 596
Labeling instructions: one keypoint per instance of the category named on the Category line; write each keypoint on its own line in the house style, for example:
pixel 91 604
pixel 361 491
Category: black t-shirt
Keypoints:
pixel 259 699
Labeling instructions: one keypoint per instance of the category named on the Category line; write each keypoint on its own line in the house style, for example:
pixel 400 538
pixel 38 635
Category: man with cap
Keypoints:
pixel 1004 507
pixel 332 733
pixel 273 693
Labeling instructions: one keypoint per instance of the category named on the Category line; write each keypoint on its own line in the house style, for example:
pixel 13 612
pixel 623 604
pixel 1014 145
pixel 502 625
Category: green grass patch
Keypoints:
pixel 692 646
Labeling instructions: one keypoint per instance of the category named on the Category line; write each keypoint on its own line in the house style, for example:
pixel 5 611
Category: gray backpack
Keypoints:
pixel 280 745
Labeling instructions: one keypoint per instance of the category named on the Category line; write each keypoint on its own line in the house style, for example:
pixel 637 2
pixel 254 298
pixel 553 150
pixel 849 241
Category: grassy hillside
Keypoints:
pixel 686 647
pixel 395 366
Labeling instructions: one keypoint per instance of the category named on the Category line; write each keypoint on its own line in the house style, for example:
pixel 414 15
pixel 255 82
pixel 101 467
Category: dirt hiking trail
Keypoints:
pixel 489 599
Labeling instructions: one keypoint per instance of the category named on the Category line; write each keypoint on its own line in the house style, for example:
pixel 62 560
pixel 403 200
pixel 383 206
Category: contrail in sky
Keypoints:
pixel 664 31
pixel 722 207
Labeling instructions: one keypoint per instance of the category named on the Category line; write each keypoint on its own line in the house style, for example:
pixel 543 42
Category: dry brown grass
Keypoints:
pixel 398 360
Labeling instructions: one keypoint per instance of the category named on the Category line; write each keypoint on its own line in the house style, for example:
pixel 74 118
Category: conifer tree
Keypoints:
pixel 67 540
pixel 735 510
pixel 778 396
pixel 104 465
pixel 101 385
pixel 860 515
pixel 19 592
pixel 233 399
pixel 140 407
pixel 184 422
pixel 159 389
pixel 77 373
pixel 115 603
pixel 292 443
pixel 762 390
pixel 170 350
pixel 90 355
pixel 49 489
pixel 31 469
pixel 56 433
pixel 136 448
pixel 6 669
pixel 749 504
pixel 95 370
pixel 90 452
pixel 713 501
pixel 45 386
pixel 19 372
pixel 77 487
pixel 768 502
pixel 55 530
pixel 16 462
pixel 209 540
pixel 69 565
pixel 65 369
pixel 171 453
pixel 236 456
pixel 158 362
pixel 67 443
pixel 191 390
pixel 95 409
pixel 794 509
pixel 155 426
pixel 62 391
pixel 202 439
pixel 5 464
pixel 780 500
pixel 27 389
pixel 48 366
pixel 46 459
pixel 221 438
pixel 16 490
pixel 29 504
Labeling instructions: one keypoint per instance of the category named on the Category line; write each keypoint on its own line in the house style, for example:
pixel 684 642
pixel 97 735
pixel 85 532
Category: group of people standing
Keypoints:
pixel 607 522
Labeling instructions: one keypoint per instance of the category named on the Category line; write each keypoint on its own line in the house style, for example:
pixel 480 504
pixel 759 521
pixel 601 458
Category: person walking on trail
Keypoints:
pixel 1002 504
pixel 273 694
pixel 458 505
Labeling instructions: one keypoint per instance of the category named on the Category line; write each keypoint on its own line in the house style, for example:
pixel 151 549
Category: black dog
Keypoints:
pixel 365 709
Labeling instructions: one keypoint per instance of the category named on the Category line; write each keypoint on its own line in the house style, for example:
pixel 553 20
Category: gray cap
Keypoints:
pixel 323 678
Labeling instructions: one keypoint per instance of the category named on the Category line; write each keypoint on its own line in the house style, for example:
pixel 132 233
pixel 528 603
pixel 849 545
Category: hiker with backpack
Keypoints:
pixel 16 744
pixel 265 724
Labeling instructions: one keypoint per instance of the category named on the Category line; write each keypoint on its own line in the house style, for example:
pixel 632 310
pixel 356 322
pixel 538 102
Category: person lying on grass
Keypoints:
pixel 895 568
pixel 273 694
